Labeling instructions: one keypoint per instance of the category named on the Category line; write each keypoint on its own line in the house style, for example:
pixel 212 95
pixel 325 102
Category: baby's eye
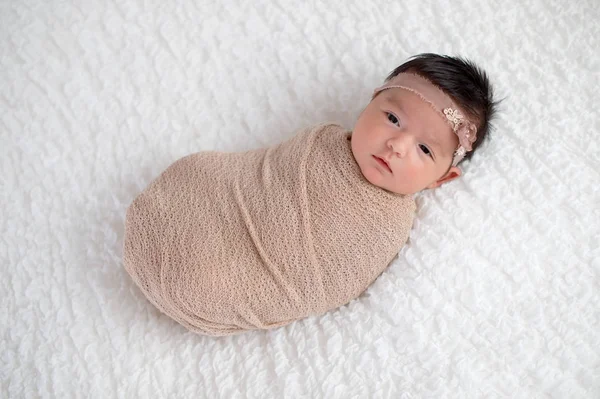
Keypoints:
pixel 425 149
pixel 392 118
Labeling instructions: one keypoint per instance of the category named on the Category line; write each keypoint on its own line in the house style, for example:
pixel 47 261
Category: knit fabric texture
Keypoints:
pixel 230 242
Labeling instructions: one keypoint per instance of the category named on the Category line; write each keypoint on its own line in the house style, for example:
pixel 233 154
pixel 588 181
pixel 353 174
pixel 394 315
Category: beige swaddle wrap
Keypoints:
pixel 228 242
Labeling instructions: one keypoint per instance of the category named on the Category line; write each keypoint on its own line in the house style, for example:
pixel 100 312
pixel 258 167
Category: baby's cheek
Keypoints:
pixel 407 179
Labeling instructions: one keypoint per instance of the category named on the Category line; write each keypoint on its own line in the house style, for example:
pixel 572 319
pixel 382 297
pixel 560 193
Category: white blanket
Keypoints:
pixel 497 293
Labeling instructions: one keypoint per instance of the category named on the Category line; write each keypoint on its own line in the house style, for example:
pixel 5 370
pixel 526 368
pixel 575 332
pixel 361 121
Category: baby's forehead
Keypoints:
pixel 401 95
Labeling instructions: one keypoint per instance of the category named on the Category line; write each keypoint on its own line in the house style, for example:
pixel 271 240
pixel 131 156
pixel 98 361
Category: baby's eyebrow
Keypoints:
pixel 433 141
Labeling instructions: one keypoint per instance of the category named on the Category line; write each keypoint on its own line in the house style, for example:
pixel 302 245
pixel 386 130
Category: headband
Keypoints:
pixel 442 104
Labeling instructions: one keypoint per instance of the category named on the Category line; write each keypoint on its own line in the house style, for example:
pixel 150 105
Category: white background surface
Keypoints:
pixel 496 294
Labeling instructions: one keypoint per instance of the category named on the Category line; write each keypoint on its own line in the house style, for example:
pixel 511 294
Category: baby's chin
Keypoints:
pixel 376 178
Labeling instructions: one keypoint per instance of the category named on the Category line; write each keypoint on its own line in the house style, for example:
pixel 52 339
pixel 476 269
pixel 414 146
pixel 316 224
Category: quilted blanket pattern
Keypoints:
pixel 496 294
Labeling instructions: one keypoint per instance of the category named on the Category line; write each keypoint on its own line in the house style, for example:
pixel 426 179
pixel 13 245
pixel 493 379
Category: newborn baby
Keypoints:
pixel 230 242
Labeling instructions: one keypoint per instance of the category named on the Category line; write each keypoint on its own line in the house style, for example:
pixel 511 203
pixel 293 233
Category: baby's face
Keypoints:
pixel 398 127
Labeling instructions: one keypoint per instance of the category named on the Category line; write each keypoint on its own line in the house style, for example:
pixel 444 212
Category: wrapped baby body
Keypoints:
pixel 229 242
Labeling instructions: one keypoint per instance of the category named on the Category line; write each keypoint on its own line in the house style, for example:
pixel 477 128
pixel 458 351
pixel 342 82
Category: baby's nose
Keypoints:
pixel 399 144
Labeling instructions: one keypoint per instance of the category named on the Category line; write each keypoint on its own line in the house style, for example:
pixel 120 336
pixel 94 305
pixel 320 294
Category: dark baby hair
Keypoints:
pixel 462 80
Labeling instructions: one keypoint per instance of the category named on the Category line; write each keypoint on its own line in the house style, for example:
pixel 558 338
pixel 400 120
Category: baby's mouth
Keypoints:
pixel 382 162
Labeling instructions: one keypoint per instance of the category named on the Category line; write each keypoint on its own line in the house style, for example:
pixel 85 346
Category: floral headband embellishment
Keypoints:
pixel 465 130
pixel 442 104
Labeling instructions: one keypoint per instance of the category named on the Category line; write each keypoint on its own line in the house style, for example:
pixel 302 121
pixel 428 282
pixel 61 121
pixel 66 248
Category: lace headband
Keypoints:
pixel 442 104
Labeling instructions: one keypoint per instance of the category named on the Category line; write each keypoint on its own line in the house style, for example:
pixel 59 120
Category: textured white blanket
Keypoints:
pixel 497 294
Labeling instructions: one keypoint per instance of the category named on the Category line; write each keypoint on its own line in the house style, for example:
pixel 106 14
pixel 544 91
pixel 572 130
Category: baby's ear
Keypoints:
pixel 452 174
